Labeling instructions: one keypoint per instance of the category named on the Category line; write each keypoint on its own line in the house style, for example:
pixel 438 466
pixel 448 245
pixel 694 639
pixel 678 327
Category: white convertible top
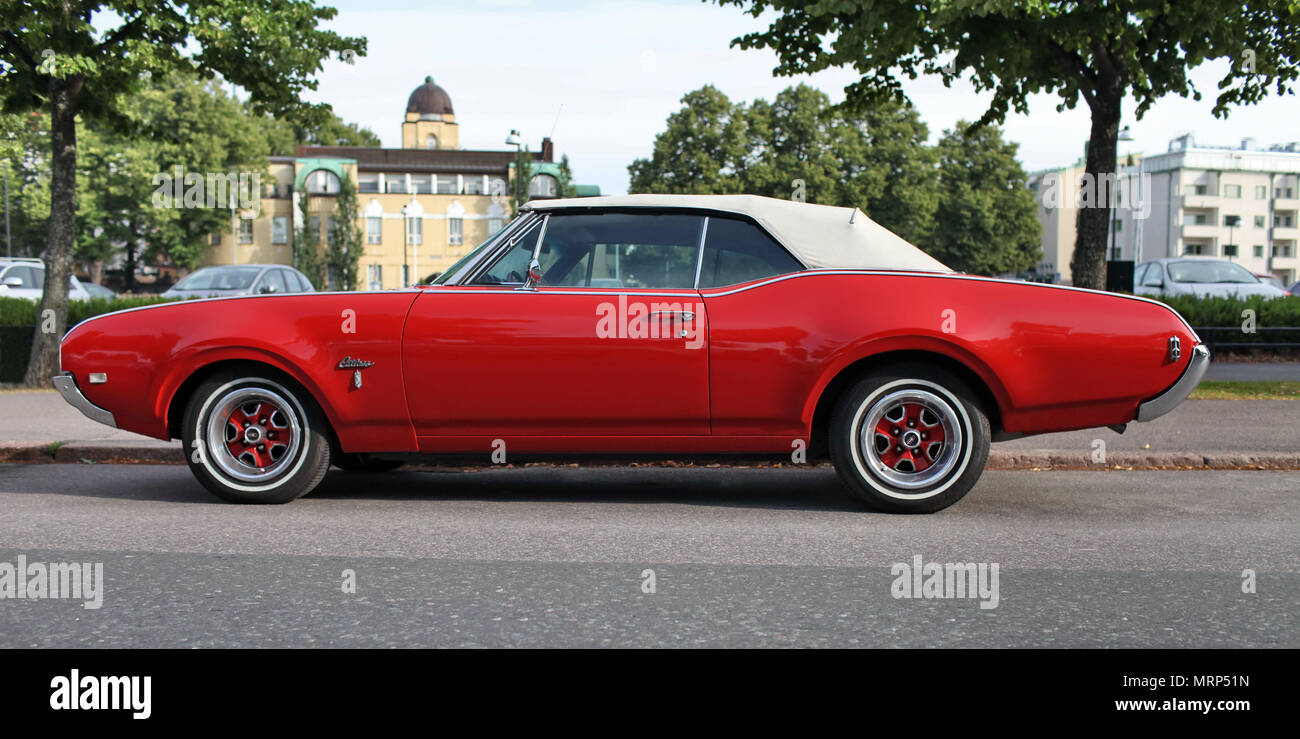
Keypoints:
pixel 821 236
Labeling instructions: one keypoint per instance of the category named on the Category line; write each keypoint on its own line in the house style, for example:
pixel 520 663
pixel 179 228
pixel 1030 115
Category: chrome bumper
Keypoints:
pixel 66 384
pixel 1169 399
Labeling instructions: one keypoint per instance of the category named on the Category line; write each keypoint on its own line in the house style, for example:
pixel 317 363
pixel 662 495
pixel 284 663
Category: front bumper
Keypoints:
pixel 66 384
pixel 1169 399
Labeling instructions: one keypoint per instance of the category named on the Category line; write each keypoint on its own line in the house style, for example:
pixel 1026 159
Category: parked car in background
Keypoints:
pixel 641 325
pixel 25 278
pixel 1295 289
pixel 1203 276
pixel 241 279
pixel 98 291
pixel 1273 280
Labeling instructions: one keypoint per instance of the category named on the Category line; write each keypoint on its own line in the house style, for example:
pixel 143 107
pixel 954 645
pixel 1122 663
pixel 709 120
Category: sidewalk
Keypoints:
pixel 1198 434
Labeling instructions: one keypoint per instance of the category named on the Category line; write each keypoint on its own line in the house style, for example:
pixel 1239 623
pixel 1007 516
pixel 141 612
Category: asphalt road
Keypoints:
pixel 741 557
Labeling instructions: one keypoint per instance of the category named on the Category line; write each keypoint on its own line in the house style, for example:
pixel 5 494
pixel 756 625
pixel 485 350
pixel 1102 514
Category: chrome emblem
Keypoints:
pixel 1175 349
pixel 356 365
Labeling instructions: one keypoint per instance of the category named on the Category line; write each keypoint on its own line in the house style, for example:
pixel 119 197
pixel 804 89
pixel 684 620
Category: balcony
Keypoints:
pixel 1200 231
pixel 1201 202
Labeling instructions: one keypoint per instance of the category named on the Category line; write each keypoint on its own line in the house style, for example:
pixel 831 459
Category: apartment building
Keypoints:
pixel 1240 203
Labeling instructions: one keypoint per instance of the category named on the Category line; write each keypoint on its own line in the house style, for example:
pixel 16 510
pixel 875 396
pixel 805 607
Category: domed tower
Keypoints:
pixel 430 122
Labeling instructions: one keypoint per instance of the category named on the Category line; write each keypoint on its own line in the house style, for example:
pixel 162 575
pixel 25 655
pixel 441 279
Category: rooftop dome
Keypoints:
pixel 429 99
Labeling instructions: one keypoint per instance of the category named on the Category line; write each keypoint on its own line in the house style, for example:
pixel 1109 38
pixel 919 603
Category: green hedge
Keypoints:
pixel 1207 312
pixel 21 312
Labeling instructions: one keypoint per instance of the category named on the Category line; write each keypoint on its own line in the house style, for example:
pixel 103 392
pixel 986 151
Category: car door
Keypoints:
pixel 610 342
pixel 28 282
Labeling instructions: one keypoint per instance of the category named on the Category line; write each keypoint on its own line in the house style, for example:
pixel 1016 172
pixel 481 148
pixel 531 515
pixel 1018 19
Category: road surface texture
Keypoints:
pixel 740 557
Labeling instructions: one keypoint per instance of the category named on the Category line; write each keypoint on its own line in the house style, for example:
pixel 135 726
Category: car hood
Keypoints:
pixel 174 293
pixel 1228 289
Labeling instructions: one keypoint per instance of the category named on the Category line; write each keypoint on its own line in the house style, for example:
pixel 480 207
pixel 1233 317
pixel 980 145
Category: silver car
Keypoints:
pixel 241 279
pixel 1203 276
pixel 25 278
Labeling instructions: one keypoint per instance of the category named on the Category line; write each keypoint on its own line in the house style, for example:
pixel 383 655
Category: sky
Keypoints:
pixel 604 77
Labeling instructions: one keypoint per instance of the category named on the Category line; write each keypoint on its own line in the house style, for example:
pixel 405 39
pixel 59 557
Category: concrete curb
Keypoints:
pixel 160 452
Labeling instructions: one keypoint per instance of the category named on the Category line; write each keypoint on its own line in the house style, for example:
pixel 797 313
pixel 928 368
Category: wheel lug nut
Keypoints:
pixel 898 450
pixel 895 431
pixel 911 424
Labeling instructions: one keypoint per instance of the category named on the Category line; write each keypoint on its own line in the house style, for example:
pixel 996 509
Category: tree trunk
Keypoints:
pixel 52 314
pixel 1088 265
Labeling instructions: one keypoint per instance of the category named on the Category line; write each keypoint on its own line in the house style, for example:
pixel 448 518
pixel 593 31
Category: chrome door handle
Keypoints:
pixel 685 314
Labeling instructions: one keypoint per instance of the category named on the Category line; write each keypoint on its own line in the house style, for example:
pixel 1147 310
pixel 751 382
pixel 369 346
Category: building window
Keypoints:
pixel 1229 250
pixel 455 231
pixel 1261 192
pixel 245 230
pixel 1194 219
pixel 414 230
pixel 367 183
pixel 396 183
pixel 313 228
pixel 431 142
pixel 1193 249
pixel 1194 190
pixel 1284 220
pixel 1259 250
pixel 1115 253
pixel 1232 191
pixel 446 184
pixel 331 229
pixel 1259 221
pixel 323 182
pixel 1232 221
pixel 374 230
pixel 406 275
pixel 1282 192
pixel 543 186
pixel 421 184
pixel 473 186
pixel 1281 250
pixel 215 239
pixel 280 230
pixel 375 277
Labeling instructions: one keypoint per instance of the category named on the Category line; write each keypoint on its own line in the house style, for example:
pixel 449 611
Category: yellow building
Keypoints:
pixel 422 206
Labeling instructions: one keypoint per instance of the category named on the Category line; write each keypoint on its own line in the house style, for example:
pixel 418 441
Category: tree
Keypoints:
pixel 52 54
pixel 343 252
pixel 799 145
pixel 1097 52
pixel 990 220
pixel 306 245
pixel 701 151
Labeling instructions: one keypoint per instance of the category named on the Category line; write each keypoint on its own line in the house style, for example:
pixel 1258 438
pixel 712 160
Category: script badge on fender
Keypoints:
pixel 357 365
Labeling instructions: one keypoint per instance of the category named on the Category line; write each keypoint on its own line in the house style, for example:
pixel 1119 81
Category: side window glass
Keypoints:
pixel 737 251
pixel 627 250
pixel 511 267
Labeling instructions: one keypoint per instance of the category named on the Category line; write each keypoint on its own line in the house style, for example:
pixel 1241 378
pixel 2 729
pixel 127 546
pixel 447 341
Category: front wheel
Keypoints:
pixel 255 438
pixel 910 439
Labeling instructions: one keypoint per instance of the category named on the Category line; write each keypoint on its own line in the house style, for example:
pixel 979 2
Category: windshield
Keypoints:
pixel 1209 271
pixel 493 239
pixel 220 278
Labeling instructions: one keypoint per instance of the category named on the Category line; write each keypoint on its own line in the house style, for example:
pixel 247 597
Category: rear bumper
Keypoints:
pixel 1169 399
pixel 66 384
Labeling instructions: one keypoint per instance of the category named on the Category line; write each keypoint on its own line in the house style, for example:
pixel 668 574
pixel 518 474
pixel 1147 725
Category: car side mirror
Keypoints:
pixel 1153 283
pixel 534 275
pixel 266 289
pixel 13 282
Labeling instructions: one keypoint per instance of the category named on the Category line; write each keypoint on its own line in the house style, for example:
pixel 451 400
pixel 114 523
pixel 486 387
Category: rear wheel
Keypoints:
pixel 362 462
pixel 910 439
pixel 255 438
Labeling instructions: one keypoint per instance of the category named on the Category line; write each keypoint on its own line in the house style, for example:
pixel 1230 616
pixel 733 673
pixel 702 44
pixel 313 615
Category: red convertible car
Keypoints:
pixel 650 325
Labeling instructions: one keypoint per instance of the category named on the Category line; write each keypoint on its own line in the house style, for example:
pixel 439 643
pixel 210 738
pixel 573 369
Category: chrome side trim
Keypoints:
pixel 948 276
pixel 1169 399
pixel 66 384
pixel 699 256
